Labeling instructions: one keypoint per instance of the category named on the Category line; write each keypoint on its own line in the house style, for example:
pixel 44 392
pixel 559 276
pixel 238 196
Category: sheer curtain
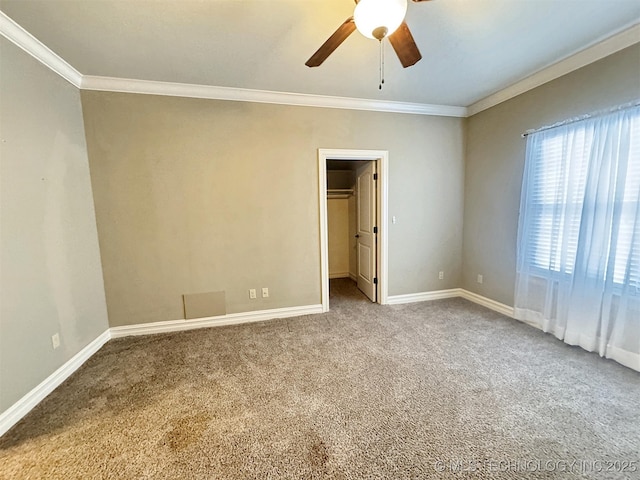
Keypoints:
pixel 578 265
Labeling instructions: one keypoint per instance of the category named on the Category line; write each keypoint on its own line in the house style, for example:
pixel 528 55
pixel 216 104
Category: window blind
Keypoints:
pixel 558 182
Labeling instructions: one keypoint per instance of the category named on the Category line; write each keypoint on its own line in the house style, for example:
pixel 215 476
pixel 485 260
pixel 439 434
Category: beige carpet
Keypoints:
pixel 427 390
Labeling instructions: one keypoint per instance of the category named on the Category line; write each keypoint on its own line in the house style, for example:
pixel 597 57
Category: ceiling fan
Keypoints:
pixel 377 19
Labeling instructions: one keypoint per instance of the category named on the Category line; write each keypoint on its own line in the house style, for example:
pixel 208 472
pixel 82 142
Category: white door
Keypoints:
pixel 366 229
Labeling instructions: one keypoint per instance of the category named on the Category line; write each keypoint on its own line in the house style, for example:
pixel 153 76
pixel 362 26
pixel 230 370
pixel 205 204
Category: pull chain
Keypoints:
pixel 381 66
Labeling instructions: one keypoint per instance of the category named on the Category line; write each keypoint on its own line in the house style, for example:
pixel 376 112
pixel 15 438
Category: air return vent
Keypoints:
pixel 202 305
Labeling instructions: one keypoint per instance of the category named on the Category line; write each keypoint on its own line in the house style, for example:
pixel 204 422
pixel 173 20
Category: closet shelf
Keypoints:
pixel 339 192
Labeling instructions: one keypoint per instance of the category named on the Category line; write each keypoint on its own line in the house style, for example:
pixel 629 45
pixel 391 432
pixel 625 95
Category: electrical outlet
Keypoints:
pixel 480 278
pixel 55 340
pixel 252 293
pixel 393 219
pixel 441 275
pixel 265 292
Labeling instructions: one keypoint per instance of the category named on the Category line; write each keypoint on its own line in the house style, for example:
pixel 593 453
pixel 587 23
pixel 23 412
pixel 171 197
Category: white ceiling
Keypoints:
pixel 470 48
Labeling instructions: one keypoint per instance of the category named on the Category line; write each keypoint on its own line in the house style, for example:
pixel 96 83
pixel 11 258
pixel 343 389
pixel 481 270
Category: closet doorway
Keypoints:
pixel 353 193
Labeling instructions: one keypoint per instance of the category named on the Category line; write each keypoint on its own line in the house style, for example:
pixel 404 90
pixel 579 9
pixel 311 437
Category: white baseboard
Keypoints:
pixel 18 410
pixel 423 296
pixel 339 275
pixel 487 302
pixel 353 277
pixel 229 319
pixel 451 293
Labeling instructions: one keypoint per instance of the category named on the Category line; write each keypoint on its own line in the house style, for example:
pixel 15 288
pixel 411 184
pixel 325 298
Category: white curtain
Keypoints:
pixel 578 265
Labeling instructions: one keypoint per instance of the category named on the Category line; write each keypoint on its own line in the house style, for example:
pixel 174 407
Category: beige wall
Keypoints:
pixel 200 195
pixel 197 196
pixel 495 161
pixel 340 179
pixel 338 237
pixel 51 279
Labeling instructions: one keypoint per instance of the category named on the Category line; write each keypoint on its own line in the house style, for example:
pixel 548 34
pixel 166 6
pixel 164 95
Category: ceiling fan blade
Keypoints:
pixel 405 46
pixel 333 42
pixel 421 1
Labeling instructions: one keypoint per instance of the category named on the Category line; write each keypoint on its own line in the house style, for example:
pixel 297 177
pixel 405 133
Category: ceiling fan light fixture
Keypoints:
pixel 379 18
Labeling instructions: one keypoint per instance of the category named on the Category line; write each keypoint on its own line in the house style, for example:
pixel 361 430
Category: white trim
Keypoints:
pixel 339 275
pixel 423 296
pixel 11 30
pixel 324 229
pixel 383 228
pixel 228 319
pixel 595 51
pixel 487 302
pixel 353 277
pixel 624 357
pixel 451 293
pixel 38 50
pixel 382 158
pixel 22 407
pixel 18 410
pixel 31 45
pixel 125 85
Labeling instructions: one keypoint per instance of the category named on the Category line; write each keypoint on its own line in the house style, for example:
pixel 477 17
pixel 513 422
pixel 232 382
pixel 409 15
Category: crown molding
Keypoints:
pixel 596 51
pixel 125 85
pixel 34 47
pixel 38 50
pixel 31 45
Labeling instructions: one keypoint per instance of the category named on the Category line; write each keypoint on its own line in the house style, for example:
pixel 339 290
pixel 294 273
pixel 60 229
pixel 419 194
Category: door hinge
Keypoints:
pixel 375 280
pixel 375 176
pixel 375 229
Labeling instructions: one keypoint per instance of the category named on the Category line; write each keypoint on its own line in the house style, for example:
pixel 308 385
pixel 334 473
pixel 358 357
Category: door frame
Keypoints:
pixel 381 157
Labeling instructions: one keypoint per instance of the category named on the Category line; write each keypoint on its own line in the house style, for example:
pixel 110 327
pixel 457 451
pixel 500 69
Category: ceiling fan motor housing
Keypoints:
pixel 376 19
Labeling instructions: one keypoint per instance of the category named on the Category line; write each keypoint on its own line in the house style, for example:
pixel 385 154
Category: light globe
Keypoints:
pixel 379 18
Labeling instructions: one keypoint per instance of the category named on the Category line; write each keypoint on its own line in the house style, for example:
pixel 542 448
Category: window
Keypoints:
pixel 583 189
pixel 578 265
